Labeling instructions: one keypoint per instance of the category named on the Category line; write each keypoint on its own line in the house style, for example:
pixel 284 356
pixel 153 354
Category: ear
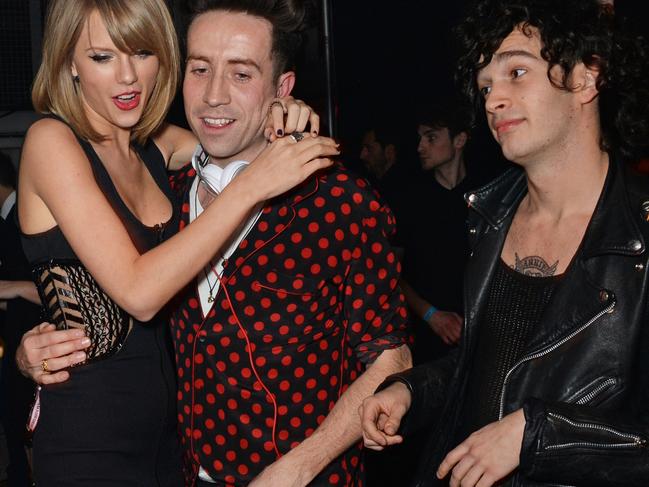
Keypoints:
pixel 583 81
pixel 73 69
pixel 460 140
pixel 285 84
pixel 390 152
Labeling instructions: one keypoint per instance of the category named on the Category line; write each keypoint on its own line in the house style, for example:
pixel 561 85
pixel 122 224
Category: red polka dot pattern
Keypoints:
pixel 313 299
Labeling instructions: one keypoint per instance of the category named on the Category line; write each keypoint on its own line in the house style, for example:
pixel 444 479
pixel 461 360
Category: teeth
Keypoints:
pixel 218 122
pixel 126 97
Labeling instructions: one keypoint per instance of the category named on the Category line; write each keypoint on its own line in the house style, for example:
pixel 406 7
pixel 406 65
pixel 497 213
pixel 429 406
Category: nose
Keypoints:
pixel 420 146
pixel 127 72
pixel 498 98
pixel 216 91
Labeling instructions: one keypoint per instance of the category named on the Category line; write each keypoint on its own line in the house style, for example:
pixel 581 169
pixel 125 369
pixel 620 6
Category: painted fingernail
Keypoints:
pixel 280 132
pixel 85 341
pixel 79 356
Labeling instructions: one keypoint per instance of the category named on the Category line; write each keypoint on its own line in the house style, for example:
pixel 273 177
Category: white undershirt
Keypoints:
pixel 209 278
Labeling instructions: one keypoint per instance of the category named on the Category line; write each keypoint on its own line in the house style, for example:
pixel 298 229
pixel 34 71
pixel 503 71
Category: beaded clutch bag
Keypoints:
pixel 72 299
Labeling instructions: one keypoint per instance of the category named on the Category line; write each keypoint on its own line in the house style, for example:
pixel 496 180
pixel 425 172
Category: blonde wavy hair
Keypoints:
pixel 133 25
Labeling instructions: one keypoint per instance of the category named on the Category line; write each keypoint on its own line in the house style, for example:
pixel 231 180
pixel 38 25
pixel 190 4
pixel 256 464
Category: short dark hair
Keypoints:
pixel 571 32
pixel 454 116
pixel 7 171
pixel 288 18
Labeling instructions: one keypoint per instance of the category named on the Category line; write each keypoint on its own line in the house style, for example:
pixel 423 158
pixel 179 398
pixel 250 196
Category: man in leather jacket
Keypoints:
pixel 550 382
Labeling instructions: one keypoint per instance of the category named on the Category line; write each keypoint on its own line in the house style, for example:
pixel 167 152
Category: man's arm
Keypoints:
pixel 446 324
pixel 59 348
pixel 340 429
pixel 376 318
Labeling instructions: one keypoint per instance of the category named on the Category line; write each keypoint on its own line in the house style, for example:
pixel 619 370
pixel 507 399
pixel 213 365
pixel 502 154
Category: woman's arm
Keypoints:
pixel 57 187
pixel 177 145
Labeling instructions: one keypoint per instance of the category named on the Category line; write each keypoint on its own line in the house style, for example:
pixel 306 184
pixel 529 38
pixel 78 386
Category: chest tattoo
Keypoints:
pixel 534 265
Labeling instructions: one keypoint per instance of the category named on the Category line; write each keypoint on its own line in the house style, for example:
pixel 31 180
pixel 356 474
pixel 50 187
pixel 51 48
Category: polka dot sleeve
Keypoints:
pixel 375 308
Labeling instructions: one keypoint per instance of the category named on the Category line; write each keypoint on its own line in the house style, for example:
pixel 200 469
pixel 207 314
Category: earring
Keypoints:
pixel 75 78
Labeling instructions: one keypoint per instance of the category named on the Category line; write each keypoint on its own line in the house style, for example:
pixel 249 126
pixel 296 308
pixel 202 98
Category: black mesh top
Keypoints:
pixel 514 308
pixel 71 297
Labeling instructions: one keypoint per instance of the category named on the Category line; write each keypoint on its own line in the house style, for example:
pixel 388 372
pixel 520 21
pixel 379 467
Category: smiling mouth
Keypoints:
pixel 507 125
pixel 127 101
pixel 217 122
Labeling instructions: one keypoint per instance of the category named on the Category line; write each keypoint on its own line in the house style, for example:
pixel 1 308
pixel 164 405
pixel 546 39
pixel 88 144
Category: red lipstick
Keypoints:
pixel 127 101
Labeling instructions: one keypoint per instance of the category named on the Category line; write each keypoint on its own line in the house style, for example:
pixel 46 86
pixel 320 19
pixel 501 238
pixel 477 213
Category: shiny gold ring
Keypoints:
pixel 276 102
pixel 44 366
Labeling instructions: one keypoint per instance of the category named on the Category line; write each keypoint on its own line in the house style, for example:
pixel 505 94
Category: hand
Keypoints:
pixel 60 348
pixel 447 325
pixel 282 473
pixel 284 164
pixel 381 416
pixel 288 115
pixel 488 455
pixel 18 289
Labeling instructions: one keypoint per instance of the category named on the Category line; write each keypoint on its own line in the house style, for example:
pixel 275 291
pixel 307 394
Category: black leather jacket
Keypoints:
pixel 584 379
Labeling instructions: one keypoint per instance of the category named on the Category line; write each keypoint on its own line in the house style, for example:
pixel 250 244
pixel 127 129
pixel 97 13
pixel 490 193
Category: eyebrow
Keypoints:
pixel 505 55
pixel 100 48
pixel 501 57
pixel 244 61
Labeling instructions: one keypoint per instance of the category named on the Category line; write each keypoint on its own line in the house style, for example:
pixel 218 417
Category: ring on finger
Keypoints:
pixel 297 136
pixel 44 366
pixel 276 102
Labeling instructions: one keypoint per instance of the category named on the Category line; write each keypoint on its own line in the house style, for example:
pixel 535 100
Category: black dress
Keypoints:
pixel 113 423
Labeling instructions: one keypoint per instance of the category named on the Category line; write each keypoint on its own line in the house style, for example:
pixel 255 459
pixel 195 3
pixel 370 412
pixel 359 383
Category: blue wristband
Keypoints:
pixel 429 312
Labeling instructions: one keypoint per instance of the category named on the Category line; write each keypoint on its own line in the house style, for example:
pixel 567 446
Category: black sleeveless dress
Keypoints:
pixel 113 423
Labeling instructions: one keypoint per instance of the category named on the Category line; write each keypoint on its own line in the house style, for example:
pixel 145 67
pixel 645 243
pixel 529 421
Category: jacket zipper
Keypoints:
pixel 634 441
pixel 595 392
pixel 546 351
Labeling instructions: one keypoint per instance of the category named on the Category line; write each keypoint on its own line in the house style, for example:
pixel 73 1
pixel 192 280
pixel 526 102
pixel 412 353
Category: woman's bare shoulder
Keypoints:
pixel 49 141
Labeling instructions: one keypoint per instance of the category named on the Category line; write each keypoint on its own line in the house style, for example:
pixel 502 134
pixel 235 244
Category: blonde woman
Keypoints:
pixel 98 220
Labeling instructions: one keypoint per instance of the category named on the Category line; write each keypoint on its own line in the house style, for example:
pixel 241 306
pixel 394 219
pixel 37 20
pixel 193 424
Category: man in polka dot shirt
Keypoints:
pixel 281 338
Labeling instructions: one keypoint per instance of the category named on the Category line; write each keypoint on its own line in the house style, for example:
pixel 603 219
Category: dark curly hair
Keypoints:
pixel 571 32
pixel 288 18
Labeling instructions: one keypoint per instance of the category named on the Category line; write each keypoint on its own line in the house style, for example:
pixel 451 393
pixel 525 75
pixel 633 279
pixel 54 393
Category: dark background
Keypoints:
pixel 389 59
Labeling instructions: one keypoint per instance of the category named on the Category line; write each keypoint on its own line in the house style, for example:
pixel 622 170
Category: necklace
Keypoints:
pixel 212 267
pixel 211 287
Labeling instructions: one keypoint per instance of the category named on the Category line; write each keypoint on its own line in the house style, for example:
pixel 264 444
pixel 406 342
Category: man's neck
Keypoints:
pixel 568 182
pixel 249 154
pixel 385 169
pixel 450 174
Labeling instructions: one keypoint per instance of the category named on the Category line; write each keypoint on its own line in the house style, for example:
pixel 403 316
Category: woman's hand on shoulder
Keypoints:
pixel 287 115
pixel 284 164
